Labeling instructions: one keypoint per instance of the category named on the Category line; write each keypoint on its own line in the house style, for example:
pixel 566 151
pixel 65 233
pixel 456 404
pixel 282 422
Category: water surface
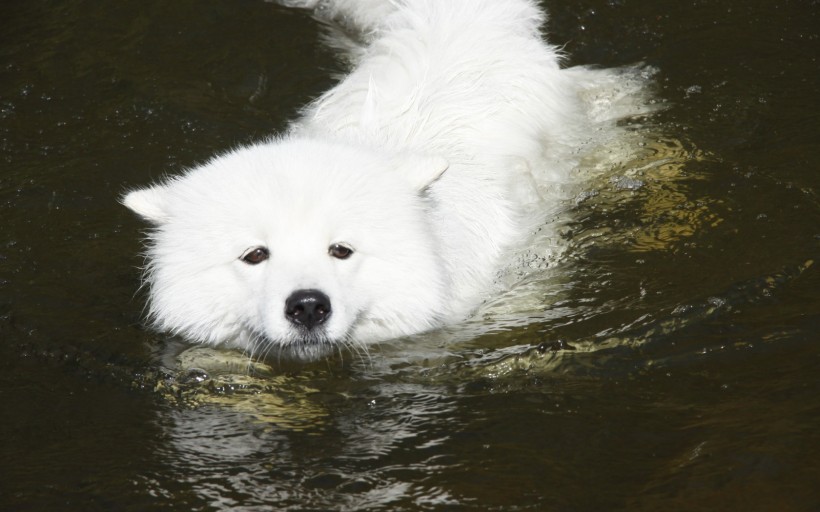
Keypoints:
pixel 668 362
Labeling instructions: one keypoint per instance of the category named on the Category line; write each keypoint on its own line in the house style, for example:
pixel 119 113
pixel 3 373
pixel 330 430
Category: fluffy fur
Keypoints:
pixel 415 161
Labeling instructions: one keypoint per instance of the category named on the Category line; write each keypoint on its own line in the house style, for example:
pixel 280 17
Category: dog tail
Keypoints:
pixel 367 16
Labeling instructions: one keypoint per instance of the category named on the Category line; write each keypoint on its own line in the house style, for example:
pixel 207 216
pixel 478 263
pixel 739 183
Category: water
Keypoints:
pixel 669 362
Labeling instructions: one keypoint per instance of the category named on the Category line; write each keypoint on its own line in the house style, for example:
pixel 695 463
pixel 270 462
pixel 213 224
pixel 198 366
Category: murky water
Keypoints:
pixel 669 361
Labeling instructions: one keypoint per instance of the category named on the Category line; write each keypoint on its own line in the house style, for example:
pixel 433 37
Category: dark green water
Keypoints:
pixel 691 301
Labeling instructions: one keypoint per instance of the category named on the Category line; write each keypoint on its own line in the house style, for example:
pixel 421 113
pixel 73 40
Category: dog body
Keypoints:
pixel 387 207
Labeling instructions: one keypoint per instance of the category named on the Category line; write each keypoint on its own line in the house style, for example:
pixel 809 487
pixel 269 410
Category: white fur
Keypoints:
pixel 415 159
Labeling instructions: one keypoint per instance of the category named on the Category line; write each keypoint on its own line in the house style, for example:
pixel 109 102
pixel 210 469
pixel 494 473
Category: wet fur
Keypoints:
pixel 415 159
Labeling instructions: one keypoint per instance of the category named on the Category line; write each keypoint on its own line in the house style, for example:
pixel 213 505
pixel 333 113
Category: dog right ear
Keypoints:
pixel 150 203
pixel 423 170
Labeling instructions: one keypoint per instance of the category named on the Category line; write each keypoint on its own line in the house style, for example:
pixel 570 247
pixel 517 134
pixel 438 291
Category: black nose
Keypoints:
pixel 307 308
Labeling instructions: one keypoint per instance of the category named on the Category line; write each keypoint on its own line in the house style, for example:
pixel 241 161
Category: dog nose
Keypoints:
pixel 307 308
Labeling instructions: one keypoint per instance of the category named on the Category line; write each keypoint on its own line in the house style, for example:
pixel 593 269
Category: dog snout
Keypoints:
pixel 307 308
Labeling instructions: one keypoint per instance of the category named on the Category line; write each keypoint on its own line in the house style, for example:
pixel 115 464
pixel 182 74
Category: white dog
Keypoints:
pixel 387 207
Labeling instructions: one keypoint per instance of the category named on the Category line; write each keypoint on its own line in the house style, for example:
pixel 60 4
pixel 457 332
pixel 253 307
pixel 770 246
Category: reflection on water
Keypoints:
pixel 231 460
pixel 656 350
pixel 652 186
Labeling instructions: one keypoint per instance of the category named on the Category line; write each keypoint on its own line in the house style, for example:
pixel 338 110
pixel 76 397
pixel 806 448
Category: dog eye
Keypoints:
pixel 340 251
pixel 255 255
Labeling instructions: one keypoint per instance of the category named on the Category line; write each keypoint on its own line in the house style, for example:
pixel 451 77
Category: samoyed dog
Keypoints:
pixel 388 206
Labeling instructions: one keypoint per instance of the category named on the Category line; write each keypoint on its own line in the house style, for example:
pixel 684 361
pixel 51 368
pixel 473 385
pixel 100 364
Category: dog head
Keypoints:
pixel 294 247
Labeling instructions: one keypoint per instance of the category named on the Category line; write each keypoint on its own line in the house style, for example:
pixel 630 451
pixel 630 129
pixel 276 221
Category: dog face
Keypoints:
pixel 294 247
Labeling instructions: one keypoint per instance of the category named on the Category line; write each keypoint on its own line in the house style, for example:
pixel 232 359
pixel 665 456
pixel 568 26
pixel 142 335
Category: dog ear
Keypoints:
pixel 150 203
pixel 421 171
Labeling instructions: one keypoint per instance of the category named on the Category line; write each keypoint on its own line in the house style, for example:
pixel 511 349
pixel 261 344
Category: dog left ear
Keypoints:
pixel 421 171
pixel 149 203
